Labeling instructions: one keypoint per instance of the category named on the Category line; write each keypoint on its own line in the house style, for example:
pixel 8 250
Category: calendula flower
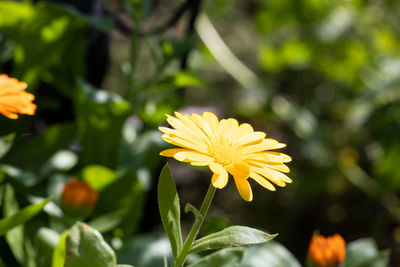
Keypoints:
pixel 14 99
pixel 227 147
pixel 77 195
pixel 327 252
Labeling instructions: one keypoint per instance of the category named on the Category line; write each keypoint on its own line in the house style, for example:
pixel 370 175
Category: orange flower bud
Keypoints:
pixel 78 195
pixel 14 99
pixel 327 252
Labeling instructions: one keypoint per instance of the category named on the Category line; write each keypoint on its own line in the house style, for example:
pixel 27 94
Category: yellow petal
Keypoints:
pixel 203 125
pixel 262 181
pixel 220 176
pixel 239 170
pixel 243 130
pixel 187 120
pixel 270 157
pixel 190 156
pixel 276 166
pixel 266 144
pixel 251 138
pixel 244 188
pixel 212 120
pixel 184 143
pixel 171 152
pixel 227 127
pixel 276 177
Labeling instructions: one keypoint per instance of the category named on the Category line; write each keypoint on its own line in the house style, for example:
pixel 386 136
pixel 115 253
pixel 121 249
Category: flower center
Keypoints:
pixel 224 152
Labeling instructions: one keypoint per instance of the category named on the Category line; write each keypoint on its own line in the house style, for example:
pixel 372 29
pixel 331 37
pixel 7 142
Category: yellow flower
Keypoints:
pixel 227 147
pixel 327 252
pixel 14 99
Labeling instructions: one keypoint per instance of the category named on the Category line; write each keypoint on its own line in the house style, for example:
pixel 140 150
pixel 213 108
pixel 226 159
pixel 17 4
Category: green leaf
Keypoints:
pixel 168 204
pixel 86 247
pixel 5 144
pixel 21 216
pixel 146 250
pixel 28 179
pixel 128 198
pixel 58 258
pixel 233 236
pixel 38 150
pixel 364 253
pixel 46 240
pixel 230 257
pixel 100 117
pixel 271 254
pixel 98 177
pixel 108 221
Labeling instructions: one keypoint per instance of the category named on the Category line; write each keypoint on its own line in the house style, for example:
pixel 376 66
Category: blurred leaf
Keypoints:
pixel 41 28
pixel 145 251
pixel 271 254
pixel 58 257
pixel 45 242
pixel 139 152
pixel 230 257
pixel 124 196
pixel 14 233
pixel 5 144
pixel 62 160
pixel 233 236
pixel 39 149
pixel 168 204
pixel 98 177
pixel 178 80
pixel 107 222
pixel 16 218
pixel 100 117
pixel 86 247
pixel 364 253
pixel 28 179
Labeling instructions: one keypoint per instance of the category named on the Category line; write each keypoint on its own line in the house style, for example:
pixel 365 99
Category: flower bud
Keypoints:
pixel 77 196
pixel 327 252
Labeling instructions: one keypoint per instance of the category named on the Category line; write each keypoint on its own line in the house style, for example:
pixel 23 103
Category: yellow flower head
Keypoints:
pixel 227 147
pixel 327 252
pixel 14 99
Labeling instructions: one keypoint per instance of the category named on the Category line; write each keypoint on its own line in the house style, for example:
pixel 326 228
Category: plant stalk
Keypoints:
pixel 196 227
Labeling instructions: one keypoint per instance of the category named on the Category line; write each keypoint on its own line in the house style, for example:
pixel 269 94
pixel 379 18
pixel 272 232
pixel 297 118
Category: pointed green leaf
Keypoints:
pixel 233 236
pixel 58 258
pixel 21 216
pixel 230 257
pixel 85 246
pixel 168 204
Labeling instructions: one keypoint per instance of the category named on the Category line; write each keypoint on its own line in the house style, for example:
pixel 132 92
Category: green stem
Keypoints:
pixel 196 227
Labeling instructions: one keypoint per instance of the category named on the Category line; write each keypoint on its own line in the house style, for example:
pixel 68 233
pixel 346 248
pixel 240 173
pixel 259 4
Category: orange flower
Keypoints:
pixel 327 252
pixel 78 194
pixel 14 99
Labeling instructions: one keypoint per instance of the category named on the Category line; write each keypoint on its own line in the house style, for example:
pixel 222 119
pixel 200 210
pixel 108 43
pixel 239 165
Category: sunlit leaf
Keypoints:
pixel 168 204
pixel 233 236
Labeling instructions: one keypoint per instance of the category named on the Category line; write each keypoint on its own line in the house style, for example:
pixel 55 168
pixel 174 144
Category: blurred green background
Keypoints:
pixel 321 76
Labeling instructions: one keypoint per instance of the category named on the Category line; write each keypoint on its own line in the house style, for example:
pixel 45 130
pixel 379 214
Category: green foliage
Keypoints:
pixel 168 204
pixel 146 250
pixel 364 253
pixel 224 257
pixel 86 247
pixel 100 116
pixel 233 236
pixel 272 253
pixel 20 217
